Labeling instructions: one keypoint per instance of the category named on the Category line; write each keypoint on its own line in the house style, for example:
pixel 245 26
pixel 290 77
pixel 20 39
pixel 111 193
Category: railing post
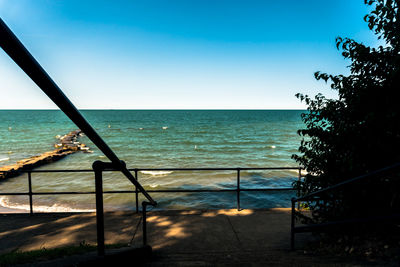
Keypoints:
pixel 144 227
pixel 137 192
pixel 30 193
pixel 238 189
pixel 98 169
pixel 292 225
pixel 298 191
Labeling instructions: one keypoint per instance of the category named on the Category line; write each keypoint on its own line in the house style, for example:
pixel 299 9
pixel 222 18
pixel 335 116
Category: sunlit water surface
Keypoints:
pixel 157 139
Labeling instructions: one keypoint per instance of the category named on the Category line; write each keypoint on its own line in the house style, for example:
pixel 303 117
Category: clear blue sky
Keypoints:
pixel 179 54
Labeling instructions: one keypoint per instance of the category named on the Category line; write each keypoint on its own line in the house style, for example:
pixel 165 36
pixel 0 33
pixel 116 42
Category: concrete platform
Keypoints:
pixel 178 238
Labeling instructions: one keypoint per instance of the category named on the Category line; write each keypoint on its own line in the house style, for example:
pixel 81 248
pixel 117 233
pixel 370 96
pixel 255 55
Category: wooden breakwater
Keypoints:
pixel 66 145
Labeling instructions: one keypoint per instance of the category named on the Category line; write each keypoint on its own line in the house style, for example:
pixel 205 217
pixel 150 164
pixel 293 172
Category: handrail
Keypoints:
pixel 21 56
pixel 355 179
pixel 174 169
pixel 236 188
pixel 311 196
pixel 99 167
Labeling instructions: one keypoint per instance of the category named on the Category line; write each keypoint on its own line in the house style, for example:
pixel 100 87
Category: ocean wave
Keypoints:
pixel 303 172
pixel 5 202
pixel 4 159
pixel 157 173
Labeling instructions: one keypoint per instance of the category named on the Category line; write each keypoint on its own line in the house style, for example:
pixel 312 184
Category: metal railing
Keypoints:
pixel 238 188
pixel 100 167
pixel 322 194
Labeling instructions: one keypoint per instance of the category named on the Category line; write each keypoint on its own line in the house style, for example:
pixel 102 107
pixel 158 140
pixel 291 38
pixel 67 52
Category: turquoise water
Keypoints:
pixel 157 139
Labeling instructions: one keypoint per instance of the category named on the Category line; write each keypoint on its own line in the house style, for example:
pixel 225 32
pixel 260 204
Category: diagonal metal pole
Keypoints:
pixel 21 56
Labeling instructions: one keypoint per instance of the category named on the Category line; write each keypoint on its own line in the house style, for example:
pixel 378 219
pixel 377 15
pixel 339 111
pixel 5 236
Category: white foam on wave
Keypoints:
pixel 303 172
pixel 156 173
pixel 4 159
pixel 5 202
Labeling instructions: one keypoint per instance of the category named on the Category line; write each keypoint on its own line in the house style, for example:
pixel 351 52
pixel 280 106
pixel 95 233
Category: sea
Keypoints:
pixel 156 139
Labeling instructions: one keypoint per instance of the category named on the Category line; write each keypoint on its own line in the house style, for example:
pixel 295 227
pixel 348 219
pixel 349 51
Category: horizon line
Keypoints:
pixel 155 109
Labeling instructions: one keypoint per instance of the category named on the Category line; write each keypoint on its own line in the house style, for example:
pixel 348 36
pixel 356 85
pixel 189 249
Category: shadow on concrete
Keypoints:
pixel 191 237
pixel 29 232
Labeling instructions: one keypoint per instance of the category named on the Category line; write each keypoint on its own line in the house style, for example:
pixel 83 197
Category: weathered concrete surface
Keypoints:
pixel 67 144
pixel 29 232
pixel 178 238
pixel 225 229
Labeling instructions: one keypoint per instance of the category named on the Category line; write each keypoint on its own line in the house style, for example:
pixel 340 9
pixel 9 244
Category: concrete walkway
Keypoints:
pixel 178 238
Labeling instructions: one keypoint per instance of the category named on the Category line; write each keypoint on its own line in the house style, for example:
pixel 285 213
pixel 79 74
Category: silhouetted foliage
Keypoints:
pixel 360 131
